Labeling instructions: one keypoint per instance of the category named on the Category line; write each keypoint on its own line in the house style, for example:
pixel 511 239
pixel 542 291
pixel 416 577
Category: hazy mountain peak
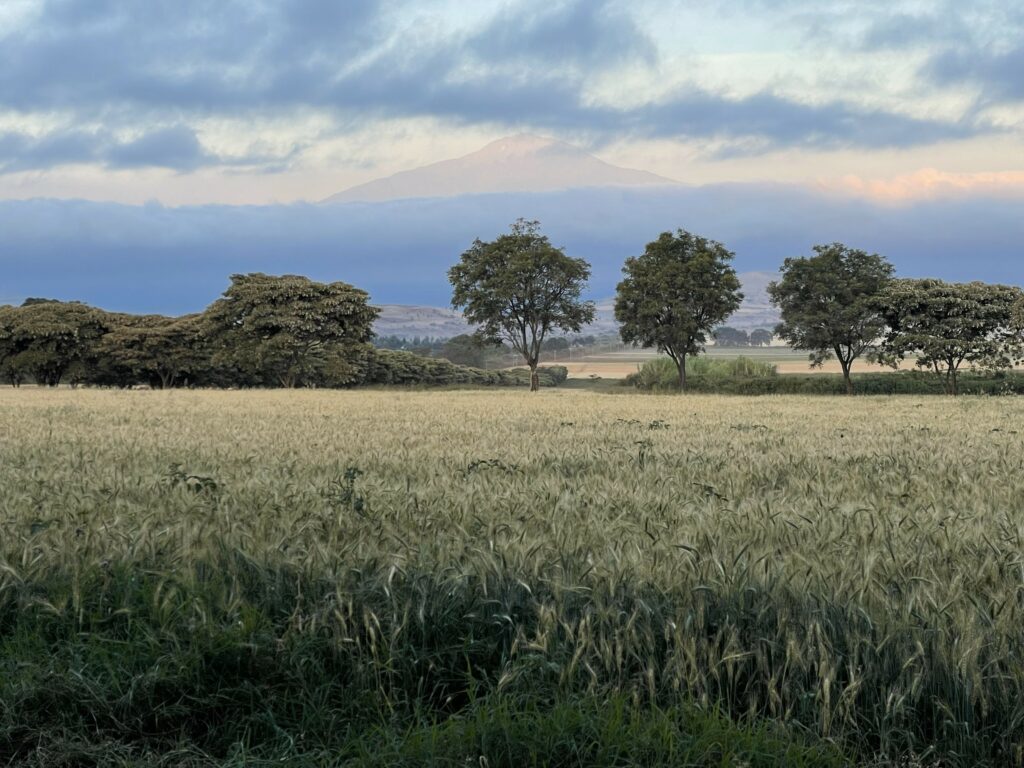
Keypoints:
pixel 520 163
pixel 524 144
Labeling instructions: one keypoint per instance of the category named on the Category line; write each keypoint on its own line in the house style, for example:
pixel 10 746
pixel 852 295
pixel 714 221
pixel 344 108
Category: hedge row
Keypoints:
pixel 896 383
pixel 391 367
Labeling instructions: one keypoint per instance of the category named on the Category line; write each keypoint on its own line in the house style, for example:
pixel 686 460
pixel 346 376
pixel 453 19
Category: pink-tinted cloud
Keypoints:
pixel 930 183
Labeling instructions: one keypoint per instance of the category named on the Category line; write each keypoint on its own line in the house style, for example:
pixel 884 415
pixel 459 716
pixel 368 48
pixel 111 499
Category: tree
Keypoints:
pixel 760 337
pixel 556 344
pixel 280 329
pixel 730 337
pixel 153 349
pixel 829 303
pixel 467 349
pixel 44 339
pixel 675 293
pixel 949 324
pixel 9 346
pixel 519 288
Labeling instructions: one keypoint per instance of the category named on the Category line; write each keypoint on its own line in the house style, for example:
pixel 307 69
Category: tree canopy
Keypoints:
pixel 518 288
pixel 153 349
pixel 675 293
pixel 829 303
pixel 43 339
pixel 277 328
pixel 948 324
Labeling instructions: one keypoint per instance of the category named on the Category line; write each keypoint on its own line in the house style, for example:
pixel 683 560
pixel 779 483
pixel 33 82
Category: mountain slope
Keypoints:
pixel 515 164
pixel 409 320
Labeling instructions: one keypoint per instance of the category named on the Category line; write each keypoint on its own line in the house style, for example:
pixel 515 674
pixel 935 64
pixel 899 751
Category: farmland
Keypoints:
pixel 496 578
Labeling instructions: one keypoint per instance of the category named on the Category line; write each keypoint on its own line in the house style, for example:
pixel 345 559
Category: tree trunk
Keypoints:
pixel 846 376
pixel 955 387
pixel 534 378
pixel 681 365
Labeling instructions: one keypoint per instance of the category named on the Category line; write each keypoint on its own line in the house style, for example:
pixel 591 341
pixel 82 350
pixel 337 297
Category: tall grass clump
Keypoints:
pixel 492 578
pixel 661 373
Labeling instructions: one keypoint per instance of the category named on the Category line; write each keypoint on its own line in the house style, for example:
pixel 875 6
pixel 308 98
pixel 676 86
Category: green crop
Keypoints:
pixel 493 578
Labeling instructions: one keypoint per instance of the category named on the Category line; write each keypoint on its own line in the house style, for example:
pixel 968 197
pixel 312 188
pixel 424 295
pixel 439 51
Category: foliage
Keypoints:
pixel 726 336
pixel 468 349
pixel 661 373
pixel 775 583
pixel 280 329
pixel 152 349
pixel 518 288
pixel 661 379
pixel 948 324
pixel 829 303
pixel 406 369
pixel 43 340
pixel 674 294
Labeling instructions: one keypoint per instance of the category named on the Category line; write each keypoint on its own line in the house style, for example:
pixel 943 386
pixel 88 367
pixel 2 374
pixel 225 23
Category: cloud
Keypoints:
pixel 157 69
pixel 176 147
pixel 999 75
pixel 902 30
pixel 931 184
pixel 176 260
pixel 173 147
pixel 596 34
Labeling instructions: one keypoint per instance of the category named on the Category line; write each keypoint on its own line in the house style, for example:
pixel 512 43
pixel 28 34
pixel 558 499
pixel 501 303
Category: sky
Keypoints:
pixel 197 102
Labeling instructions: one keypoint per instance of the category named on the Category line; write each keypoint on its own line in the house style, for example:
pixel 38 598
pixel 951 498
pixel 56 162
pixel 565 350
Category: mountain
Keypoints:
pixel 520 163
pixel 408 320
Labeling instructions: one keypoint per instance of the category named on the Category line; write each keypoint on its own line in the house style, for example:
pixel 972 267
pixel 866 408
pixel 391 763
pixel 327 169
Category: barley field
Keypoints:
pixel 498 578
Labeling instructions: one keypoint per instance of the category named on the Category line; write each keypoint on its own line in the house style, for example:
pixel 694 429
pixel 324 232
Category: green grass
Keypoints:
pixel 750 376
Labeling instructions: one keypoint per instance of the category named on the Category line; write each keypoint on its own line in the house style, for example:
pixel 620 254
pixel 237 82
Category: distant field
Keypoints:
pixel 504 579
pixel 618 365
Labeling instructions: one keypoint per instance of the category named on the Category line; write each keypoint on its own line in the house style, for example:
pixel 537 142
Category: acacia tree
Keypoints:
pixel 153 348
pixel 829 304
pixel 948 324
pixel 44 339
pixel 518 288
pixel 674 294
pixel 280 329
pixel 9 346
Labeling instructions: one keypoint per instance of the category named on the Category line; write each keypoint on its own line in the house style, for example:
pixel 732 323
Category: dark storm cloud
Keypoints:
pixel 147 64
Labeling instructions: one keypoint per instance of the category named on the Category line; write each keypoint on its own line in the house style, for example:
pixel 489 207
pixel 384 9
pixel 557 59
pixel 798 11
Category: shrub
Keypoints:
pixel 656 376
pixel 391 367
pixel 661 373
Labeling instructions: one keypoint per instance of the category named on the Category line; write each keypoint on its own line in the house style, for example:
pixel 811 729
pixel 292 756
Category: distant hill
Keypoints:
pixel 521 163
pixel 408 321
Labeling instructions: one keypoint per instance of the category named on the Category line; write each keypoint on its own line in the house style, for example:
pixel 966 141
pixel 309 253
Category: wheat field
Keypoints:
pixel 194 577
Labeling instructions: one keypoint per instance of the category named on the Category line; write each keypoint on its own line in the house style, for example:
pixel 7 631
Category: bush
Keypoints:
pixel 391 367
pixel 710 376
pixel 661 373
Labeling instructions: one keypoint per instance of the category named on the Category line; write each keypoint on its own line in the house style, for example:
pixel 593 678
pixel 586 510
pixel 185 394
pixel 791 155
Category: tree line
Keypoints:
pixel 840 302
pixel 520 290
